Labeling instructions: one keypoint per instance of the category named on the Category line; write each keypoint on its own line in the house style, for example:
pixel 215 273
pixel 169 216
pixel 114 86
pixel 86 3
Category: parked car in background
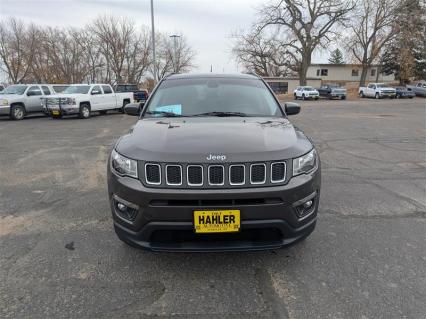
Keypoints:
pixel 81 99
pixel 305 93
pixel 18 100
pixel 377 90
pixel 1 88
pixel 402 92
pixel 419 89
pixel 139 96
pixel 332 90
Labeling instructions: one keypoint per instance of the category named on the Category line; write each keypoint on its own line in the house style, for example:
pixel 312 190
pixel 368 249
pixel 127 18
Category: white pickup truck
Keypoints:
pixel 377 90
pixel 20 100
pixel 82 99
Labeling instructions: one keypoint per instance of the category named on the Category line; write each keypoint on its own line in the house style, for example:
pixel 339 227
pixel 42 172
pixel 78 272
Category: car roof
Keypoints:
pixel 211 75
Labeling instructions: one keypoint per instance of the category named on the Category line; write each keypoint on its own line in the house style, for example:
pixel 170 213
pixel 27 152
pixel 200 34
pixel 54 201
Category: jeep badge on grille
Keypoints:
pixel 212 157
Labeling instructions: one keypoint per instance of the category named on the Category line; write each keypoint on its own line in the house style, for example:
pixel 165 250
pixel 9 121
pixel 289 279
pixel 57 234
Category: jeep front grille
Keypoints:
pixel 233 175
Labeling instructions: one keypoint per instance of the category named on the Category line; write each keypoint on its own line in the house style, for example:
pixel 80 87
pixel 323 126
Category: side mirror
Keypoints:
pixel 94 92
pixel 291 108
pixel 132 109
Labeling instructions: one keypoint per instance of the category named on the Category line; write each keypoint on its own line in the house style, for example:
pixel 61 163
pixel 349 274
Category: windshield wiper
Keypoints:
pixel 221 114
pixel 164 113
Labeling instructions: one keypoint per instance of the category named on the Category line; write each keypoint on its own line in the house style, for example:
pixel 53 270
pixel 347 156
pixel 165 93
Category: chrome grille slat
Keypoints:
pixel 278 172
pixel 234 174
pixel 192 177
pixel 258 173
pixel 151 172
pixel 174 175
pixel 218 175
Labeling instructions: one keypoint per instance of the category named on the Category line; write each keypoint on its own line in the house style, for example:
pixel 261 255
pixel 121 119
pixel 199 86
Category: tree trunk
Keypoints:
pixel 363 75
pixel 304 65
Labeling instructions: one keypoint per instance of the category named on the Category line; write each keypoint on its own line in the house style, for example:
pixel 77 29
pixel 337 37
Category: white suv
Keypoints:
pixel 305 92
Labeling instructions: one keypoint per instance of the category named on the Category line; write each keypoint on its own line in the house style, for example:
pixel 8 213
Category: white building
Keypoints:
pixel 342 73
pixel 281 85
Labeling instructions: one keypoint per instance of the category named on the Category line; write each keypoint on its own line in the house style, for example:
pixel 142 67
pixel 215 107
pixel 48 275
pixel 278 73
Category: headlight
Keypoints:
pixel 305 163
pixel 4 102
pixel 71 101
pixel 123 165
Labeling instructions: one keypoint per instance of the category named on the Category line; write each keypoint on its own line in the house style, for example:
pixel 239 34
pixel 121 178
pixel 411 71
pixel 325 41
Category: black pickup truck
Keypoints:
pixel 332 90
pixel 139 96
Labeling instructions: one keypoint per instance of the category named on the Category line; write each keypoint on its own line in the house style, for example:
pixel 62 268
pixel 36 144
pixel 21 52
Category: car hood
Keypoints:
pixel 192 140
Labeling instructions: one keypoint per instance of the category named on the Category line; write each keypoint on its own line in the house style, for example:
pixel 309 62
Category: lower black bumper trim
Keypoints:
pixel 142 239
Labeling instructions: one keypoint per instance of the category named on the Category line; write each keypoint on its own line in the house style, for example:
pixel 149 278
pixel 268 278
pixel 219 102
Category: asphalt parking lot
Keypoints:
pixel 59 256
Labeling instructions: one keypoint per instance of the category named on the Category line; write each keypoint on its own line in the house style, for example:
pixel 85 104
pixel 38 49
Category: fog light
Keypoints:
pixel 305 207
pixel 308 204
pixel 121 207
pixel 125 209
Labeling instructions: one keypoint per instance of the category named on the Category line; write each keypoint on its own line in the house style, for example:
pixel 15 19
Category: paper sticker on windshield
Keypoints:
pixel 175 109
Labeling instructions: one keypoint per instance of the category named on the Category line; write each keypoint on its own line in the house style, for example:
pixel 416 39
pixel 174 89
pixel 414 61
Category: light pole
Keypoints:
pixel 175 66
pixel 153 42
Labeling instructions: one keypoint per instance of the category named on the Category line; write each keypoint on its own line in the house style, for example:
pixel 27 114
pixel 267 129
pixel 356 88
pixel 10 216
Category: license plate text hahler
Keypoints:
pixel 217 221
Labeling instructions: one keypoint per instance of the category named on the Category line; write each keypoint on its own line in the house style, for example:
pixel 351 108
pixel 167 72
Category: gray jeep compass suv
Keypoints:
pixel 213 164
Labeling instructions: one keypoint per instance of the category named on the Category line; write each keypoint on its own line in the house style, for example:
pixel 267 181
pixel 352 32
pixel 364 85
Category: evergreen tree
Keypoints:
pixel 405 55
pixel 336 57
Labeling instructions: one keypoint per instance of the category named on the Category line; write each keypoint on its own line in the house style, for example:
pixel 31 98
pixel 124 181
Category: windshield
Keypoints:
pixel 15 89
pixel 308 88
pixel 80 89
pixel 212 97
pixel 380 85
pixel 60 88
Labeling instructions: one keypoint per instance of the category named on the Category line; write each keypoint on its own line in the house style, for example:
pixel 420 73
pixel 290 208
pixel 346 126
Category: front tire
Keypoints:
pixel 17 112
pixel 84 111
pixel 377 96
pixel 361 94
pixel 303 97
pixel 295 96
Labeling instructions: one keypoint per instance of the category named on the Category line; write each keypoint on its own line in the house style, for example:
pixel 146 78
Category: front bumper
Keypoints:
pixel 5 110
pixel 383 94
pixel 62 109
pixel 339 95
pixel 164 220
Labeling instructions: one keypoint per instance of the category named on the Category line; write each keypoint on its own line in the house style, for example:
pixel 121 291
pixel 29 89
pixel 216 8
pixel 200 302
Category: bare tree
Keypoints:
pixel 114 38
pixel 94 57
pixel 138 56
pixel 372 27
pixel 304 25
pixel 264 55
pixel 169 61
pixel 110 50
pixel 17 46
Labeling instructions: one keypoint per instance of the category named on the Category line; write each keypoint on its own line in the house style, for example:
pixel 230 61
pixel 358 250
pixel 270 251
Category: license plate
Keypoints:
pixel 216 221
pixel 55 112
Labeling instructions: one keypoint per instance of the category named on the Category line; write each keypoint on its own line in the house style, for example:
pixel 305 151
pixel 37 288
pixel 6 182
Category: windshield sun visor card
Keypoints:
pixel 176 109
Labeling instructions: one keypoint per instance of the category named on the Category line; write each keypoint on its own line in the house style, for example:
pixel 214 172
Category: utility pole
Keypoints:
pixel 154 61
pixel 175 59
